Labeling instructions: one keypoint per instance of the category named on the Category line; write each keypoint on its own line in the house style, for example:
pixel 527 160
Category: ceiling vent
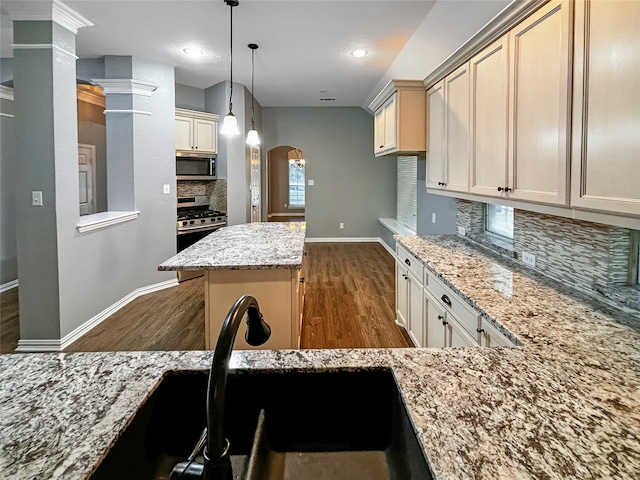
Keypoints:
pixel 327 99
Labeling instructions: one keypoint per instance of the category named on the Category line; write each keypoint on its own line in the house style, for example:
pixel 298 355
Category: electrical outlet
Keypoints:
pixel 433 217
pixel 286 205
pixel 529 259
pixel 462 231
pixel 311 182
pixel 166 188
pixel 36 199
pixel 341 226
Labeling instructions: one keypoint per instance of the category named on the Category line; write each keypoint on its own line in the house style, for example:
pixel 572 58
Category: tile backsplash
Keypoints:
pixel 582 254
pixel 216 190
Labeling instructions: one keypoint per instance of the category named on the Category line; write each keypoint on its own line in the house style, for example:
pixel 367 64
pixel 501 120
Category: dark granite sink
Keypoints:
pixel 315 425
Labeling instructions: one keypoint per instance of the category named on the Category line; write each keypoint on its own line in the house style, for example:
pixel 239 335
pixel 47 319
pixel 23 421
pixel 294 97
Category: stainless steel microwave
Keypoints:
pixel 195 166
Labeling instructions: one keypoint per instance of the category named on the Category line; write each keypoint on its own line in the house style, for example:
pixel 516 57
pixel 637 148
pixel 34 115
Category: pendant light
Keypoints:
pixel 230 122
pixel 253 138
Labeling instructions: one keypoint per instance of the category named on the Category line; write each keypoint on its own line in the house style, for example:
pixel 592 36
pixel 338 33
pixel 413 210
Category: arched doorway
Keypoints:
pixel 286 174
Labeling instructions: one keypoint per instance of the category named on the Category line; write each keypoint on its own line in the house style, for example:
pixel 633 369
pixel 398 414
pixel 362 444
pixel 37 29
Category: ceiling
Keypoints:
pixel 304 46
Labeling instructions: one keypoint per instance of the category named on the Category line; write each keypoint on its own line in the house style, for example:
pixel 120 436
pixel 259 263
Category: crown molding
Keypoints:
pixel 53 10
pixel 394 86
pixel 125 86
pixel 6 93
pixel 133 112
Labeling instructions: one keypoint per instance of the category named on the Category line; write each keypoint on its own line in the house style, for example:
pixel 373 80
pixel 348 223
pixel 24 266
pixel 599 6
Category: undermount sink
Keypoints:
pixel 281 426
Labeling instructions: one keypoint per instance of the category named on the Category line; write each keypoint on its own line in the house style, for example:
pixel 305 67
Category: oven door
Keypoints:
pixel 186 238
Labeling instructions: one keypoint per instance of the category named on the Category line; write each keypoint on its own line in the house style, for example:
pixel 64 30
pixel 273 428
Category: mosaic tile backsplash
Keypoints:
pixel 582 254
pixel 216 190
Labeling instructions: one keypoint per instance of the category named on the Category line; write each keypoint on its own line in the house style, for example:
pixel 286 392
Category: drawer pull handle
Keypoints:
pixel 446 300
pixel 406 260
pixel 480 330
pixel 444 322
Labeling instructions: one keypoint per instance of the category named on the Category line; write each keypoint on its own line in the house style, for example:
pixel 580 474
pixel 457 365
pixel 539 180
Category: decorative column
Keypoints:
pixel 47 138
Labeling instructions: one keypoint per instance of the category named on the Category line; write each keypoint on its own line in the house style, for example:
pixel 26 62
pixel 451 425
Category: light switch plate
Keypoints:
pixel 311 182
pixel 166 188
pixel 529 259
pixel 36 199
pixel 462 231
pixel 433 217
pixel 341 225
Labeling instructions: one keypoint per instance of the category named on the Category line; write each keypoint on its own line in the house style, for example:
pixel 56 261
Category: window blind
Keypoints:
pixel 407 202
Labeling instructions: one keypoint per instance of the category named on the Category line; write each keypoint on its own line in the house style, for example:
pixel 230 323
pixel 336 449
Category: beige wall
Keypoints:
pixel 279 182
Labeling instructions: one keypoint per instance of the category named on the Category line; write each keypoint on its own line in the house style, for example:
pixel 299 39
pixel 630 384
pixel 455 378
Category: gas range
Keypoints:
pixel 194 215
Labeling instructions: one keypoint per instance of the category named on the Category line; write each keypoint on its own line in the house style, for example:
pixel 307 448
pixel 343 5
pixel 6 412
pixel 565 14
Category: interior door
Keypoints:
pixel 256 202
pixel 87 178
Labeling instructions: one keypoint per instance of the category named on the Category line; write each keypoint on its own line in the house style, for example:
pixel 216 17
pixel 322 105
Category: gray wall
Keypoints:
pixel 428 204
pixel 8 173
pixel 351 185
pixel 191 98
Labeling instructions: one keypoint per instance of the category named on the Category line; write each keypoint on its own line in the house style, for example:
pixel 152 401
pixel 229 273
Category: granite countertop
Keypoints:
pixel 250 246
pixel 566 404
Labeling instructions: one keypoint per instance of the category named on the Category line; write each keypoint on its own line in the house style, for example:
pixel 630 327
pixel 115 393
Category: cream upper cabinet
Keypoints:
pixel 448 133
pixel 196 131
pixel 606 113
pixel 435 136
pixel 489 120
pixel 456 94
pixel 540 81
pixel 399 118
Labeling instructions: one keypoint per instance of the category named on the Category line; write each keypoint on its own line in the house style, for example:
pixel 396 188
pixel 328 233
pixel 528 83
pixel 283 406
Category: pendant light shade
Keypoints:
pixel 230 125
pixel 230 122
pixel 253 138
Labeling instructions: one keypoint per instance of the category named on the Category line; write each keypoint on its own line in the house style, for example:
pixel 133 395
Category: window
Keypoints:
pixel 499 220
pixel 296 184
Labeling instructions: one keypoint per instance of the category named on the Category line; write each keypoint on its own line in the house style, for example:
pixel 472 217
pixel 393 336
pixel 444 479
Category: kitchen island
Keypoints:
pixel 563 405
pixel 259 259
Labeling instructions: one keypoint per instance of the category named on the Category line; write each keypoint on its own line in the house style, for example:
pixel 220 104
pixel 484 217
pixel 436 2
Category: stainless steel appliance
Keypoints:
pixel 195 221
pixel 195 166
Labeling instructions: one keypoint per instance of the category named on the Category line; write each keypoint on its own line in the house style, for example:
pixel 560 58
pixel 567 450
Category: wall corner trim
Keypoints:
pixel 59 345
pixel 387 248
pixel 9 285
pixel 125 86
pixel 43 46
pixel 104 219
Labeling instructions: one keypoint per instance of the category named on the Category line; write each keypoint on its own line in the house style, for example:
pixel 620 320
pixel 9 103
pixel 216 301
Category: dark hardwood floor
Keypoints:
pixel 349 303
pixel 287 219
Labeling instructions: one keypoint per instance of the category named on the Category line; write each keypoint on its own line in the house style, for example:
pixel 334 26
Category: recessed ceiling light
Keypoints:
pixel 193 52
pixel 359 53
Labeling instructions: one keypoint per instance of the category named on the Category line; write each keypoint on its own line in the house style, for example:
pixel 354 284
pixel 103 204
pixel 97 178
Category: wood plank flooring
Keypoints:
pixel 349 303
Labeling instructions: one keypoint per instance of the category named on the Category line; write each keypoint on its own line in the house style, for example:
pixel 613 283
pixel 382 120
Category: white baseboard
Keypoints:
pixel 342 239
pixel 9 285
pixel 286 215
pixel 387 248
pixel 58 345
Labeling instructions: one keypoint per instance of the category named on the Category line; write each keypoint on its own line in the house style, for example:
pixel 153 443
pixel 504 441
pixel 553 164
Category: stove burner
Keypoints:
pixel 192 214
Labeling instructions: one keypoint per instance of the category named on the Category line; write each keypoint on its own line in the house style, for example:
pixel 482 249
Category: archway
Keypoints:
pixel 286 192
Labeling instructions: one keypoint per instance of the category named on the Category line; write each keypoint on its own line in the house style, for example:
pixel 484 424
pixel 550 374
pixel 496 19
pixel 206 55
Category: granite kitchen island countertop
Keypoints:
pixel 566 404
pixel 250 246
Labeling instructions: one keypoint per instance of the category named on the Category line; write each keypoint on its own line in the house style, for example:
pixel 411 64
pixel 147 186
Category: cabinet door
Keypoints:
pixel 489 120
pixel 539 86
pixel 458 337
pixel 606 141
pixel 456 90
pixel 402 295
pixel 378 131
pixel 436 330
pixel 205 135
pixel 184 133
pixel 416 317
pixel 391 123
pixel 435 135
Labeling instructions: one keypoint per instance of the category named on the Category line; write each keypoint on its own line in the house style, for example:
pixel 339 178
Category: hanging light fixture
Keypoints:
pixel 253 138
pixel 230 122
pixel 297 161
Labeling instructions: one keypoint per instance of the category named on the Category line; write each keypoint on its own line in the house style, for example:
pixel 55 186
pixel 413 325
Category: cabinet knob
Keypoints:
pixel 381 146
pixel 507 189
pixel 500 189
pixel 480 330
pixel 302 280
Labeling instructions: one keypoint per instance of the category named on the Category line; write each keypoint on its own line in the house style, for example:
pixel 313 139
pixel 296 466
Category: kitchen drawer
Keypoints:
pixel 414 264
pixel 468 317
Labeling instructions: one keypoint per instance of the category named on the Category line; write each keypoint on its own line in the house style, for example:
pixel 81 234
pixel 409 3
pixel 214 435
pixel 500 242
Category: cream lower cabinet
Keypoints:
pixel 606 113
pixel 409 296
pixel 279 292
pixel 491 337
